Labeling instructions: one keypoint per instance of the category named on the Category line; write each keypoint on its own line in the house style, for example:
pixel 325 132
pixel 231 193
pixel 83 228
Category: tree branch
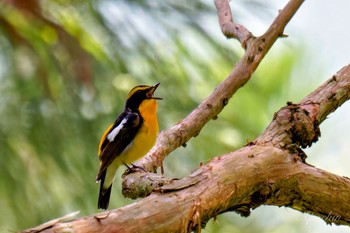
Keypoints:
pixel 176 136
pixel 239 181
pixel 298 124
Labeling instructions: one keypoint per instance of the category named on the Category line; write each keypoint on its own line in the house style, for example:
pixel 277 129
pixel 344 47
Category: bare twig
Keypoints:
pixel 229 28
pixel 52 222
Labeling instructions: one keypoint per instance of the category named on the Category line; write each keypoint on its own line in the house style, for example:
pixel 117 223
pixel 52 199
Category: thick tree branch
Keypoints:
pixel 238 181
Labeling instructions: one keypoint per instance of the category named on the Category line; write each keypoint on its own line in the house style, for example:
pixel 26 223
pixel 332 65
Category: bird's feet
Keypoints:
pixel 133 168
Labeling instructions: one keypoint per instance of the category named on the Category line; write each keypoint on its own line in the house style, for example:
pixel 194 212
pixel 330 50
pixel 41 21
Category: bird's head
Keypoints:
pixel 139 94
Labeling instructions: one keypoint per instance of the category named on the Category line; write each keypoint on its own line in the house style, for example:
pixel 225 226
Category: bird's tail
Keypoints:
pixel 105 193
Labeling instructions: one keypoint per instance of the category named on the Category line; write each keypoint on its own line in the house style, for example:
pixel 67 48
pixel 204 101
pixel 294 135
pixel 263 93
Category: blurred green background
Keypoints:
pixel 66 67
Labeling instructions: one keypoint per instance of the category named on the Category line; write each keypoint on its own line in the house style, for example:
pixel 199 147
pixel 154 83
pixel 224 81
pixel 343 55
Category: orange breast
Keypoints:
pixel 147 136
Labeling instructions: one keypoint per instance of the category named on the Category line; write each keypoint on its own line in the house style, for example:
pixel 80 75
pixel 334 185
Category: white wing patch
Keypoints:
pixel 111 136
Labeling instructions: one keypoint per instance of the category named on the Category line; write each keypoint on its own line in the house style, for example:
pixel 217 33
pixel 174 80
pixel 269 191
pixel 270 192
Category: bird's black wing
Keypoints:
pixel 118 138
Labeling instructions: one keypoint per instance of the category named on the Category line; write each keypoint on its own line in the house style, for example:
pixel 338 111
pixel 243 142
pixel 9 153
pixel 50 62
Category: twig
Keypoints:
pixel 229 28
pixel 51 223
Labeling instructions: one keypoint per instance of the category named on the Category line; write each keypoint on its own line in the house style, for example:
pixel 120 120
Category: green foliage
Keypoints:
pixel 65 72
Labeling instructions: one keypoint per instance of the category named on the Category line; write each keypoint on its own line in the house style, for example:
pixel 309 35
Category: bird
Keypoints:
pixel 129 138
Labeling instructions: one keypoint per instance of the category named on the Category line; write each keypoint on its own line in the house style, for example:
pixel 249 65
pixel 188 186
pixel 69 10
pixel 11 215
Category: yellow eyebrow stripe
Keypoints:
pixel 138 88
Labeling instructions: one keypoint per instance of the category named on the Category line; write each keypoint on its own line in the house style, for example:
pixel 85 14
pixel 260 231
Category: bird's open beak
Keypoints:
pixel 151 92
